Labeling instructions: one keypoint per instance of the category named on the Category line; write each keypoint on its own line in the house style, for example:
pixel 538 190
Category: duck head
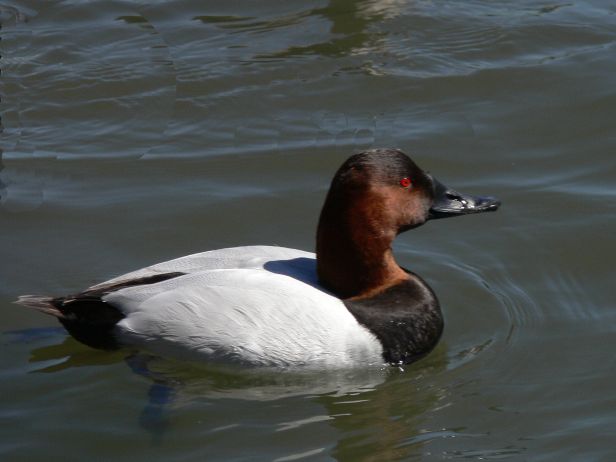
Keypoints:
pixel 374 196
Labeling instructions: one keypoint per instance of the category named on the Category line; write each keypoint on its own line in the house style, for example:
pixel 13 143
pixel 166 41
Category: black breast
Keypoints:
pixel 406 318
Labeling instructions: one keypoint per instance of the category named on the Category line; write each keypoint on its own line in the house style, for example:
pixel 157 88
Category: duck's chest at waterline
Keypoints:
pixel 405 318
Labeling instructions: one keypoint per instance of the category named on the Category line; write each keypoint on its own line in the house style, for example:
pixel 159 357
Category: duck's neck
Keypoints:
pixel 354 255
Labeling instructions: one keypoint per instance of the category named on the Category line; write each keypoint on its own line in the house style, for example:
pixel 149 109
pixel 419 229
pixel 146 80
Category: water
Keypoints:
pixel 135 132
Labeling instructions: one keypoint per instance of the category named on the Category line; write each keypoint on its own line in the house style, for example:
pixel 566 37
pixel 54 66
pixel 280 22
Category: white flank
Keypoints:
pixel 256 305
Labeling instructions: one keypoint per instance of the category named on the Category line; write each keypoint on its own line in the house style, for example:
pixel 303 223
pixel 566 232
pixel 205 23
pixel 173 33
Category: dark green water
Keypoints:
pixel 135 132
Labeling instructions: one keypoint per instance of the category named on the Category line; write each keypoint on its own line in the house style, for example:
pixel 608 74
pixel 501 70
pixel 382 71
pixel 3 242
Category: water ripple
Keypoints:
pixel 11 16
pixel 264 101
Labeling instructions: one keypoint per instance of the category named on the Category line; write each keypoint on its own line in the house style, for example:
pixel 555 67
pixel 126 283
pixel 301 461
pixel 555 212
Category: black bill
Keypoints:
pixel 449 202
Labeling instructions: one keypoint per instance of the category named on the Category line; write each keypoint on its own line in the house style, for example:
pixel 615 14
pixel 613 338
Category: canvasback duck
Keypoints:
pixel 351 304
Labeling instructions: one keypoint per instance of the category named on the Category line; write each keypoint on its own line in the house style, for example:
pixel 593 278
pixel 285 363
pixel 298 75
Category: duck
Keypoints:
pixel 347 305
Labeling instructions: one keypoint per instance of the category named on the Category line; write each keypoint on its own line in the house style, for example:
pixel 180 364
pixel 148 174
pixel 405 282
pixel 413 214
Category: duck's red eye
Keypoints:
pixel 405 182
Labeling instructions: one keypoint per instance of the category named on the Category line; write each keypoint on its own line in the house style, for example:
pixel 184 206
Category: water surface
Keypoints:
pixel 134 132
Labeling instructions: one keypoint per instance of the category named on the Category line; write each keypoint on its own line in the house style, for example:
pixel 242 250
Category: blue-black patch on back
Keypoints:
pixel 90 319
pixel 405 318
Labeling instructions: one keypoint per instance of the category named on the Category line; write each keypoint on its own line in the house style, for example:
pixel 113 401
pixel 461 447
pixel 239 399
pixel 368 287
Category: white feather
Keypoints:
pixel 254 256
pixel 254 305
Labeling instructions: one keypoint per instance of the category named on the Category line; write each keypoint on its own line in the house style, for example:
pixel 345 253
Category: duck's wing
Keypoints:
pixel 91 319
pixel 256 256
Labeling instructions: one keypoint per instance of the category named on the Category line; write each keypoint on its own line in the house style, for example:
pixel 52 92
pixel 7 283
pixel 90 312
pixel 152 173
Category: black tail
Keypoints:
pixel 41 303
pixel 87 316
